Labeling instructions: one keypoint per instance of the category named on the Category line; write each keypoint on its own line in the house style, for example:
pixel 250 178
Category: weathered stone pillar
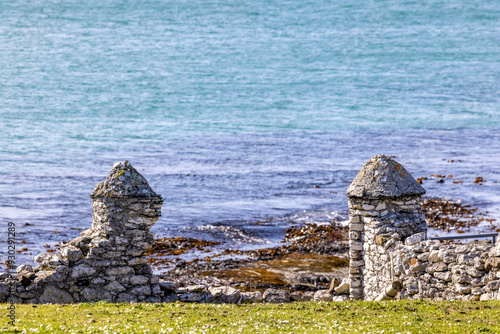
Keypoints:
pixel 107 262
pixel 384 207
pixel 124 209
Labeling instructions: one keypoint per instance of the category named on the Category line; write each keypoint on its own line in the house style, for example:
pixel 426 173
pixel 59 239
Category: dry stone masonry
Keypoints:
pixel 107 262
pixel 384 208
pixel 390 257
pixel 432 270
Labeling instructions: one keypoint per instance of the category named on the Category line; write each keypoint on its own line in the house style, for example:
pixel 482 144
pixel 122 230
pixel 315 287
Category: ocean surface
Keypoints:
pixel 246 116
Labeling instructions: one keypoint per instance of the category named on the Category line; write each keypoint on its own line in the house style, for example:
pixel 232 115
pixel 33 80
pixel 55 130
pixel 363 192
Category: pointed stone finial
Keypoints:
pixel 381 177
pixel 123 181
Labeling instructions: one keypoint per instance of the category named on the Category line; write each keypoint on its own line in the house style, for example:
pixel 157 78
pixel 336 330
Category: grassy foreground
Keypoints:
pixel 310 317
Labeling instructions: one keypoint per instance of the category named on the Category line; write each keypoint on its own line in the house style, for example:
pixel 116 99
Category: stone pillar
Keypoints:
pixel 124 209
pixel 384 208
pixel 107 262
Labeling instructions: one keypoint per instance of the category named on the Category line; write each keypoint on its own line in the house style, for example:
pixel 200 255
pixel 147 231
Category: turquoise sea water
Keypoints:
pixel 241 111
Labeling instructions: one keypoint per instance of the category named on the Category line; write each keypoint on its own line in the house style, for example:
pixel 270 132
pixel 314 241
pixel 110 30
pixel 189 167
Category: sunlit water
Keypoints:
pixel 240 112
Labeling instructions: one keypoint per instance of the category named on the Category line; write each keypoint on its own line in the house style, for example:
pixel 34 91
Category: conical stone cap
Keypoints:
pixel 380 177
pixel 124 181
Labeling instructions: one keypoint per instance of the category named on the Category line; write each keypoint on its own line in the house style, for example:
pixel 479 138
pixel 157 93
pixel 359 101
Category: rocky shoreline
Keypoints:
pixel 292 268
pixel 322 262
pixel 309 267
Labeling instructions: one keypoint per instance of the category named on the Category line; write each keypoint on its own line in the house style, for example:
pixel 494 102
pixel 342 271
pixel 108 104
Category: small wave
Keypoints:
pixel 318 217
pixel 232 233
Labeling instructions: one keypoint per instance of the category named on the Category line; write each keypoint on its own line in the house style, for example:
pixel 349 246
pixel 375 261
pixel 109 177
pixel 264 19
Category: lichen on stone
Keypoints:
pixel 123 181
pixel 381 177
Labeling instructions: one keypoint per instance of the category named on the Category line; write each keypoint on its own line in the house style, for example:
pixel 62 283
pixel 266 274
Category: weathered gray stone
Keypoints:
pixel 385 200
pixel 25 268
pixel 4 291
pixel 445 276
pixel 462 289
pixel 485 296
pixel 434 256
pixel 82 271
pixel 168 286
pixel 322 295
pixel 416 238
pixel 126 298
pixel 92 294
pixel 193 297
pixel 341 298
pixel 119 271
pixel 110 252
pixel 250 297
pixel 123 181
pixel 115 287
pixel 491 263
pixel 53 295
pixel 81 242
pixel 155 290
pixel 418 267
pixel 343 288
pixel 196 288
pixel 380 177
pixel 333 284
pixel 308 295
pixel 44 257
pixel 144 290
pixel 71 253
pixel 437 267
pixel 170 298
pixel 495 251
pixel 135 280
pixel 54 277
pixel 26 295
pixel 297 296
pixel 276 296
pixel 223 294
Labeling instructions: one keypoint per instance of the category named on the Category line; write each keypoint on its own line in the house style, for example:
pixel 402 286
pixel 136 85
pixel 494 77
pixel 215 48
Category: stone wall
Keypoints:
pixel 376 225
pixel 433 270
pixel 384 208
pixel 390 257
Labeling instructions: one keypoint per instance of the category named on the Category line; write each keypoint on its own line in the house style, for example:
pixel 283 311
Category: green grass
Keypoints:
pixel 323 317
